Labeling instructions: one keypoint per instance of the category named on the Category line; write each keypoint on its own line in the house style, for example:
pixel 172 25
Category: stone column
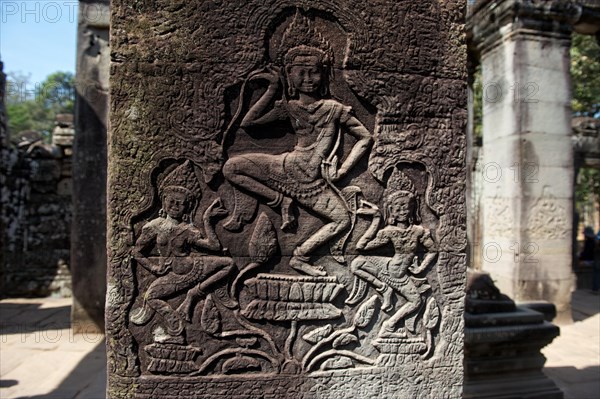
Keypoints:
pixel 3 170
pixel 528 171
pixel 88 234
pixel 286 213
pixel 3 121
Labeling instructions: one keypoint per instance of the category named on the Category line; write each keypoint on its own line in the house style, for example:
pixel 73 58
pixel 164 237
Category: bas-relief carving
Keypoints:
pixel 257 261
pixel 499 218
pixel 547 218
pixel 187 263
pixel 399 272
pixel 307 174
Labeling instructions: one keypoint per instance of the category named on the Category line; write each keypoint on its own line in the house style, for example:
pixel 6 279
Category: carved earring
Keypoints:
pixel 162 213
pixel 291 90
pixel 416 210
pixel 324 90
pixel 290 87
pixel 389 220
pixel 186 218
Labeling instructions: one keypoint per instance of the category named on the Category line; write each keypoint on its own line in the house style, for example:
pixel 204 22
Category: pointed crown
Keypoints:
pixel 301 39
pixel 399 185
pixel 181 179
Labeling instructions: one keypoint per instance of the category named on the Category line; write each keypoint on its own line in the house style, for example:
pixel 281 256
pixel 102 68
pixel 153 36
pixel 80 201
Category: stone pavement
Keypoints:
pixel 41 358
pixel 574 357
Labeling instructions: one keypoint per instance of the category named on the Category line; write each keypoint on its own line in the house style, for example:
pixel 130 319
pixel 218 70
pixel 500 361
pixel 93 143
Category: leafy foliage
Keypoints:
pixel 588 187
pixel 587 191
pixel 585 72
pixel 35 106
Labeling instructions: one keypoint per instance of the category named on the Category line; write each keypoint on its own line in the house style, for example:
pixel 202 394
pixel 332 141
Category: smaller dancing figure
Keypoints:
pixel 179 269
pixel 396 273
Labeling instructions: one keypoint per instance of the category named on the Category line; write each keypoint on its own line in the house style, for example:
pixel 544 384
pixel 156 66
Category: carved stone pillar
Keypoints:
pixel 528 171
pixel 3 170
pixel 88 234
pixel 287 199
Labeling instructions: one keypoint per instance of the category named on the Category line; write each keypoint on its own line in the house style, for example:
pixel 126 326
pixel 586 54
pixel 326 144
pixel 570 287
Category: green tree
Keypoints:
pixel 34 107
pixel 587 190
pixel 57 92
pixel 588 181
pixel 585 72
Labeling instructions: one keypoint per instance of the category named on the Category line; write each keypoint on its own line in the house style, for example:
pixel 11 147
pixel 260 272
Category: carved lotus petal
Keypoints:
pixel 284 292
pixel 344 340
pixel 318 293
pixel 211 317
pixel 293 310
pixel 432 314
pixel 334 292
pixel 365 312
pixel 239 364
pixel 339 362
pixel 273 291
pixel 318 334
pixel 327 291
pixel 262 290
pixel 296 293
pixel 308 290
pixel 263 243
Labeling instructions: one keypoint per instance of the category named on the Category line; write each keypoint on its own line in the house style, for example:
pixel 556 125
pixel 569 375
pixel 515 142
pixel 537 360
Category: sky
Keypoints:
pixel 38 37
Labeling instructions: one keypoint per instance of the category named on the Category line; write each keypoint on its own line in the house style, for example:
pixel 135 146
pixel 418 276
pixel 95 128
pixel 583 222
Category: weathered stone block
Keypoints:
pixel 286 199
pixel 88 258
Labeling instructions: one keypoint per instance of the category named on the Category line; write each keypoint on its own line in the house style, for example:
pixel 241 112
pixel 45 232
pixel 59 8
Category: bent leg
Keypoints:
pixel 159 289
pixel 413 303
pixel 249 174
pixel 330 206
pixel 215 269
pixel 246 173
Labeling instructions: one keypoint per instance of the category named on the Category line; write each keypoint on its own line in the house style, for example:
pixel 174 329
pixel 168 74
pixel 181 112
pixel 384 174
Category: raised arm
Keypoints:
pixel 371 238
pixel 427 241
pixel 256 115
pixel 211 242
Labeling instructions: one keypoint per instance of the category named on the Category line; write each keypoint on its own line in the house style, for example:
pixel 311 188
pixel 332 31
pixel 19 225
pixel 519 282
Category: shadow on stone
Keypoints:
pixel 584 304
pixel 87 380
pixel 576 383
pixel 17 318
pixel 8 383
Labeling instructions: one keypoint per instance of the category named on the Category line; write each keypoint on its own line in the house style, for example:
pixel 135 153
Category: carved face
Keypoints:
pixel 175 204
pixel 306 74
pixel 400 209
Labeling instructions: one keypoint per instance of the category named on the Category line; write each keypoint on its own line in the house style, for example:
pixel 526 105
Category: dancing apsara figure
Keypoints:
pixel 182 267
pixel 396 273
pixel 305 175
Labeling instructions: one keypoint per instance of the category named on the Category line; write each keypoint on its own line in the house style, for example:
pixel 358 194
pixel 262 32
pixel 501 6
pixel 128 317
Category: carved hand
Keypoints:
pixel 163 267
pixel 329 170
pixel 271 74
pixel 368 208
pixel 215 210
